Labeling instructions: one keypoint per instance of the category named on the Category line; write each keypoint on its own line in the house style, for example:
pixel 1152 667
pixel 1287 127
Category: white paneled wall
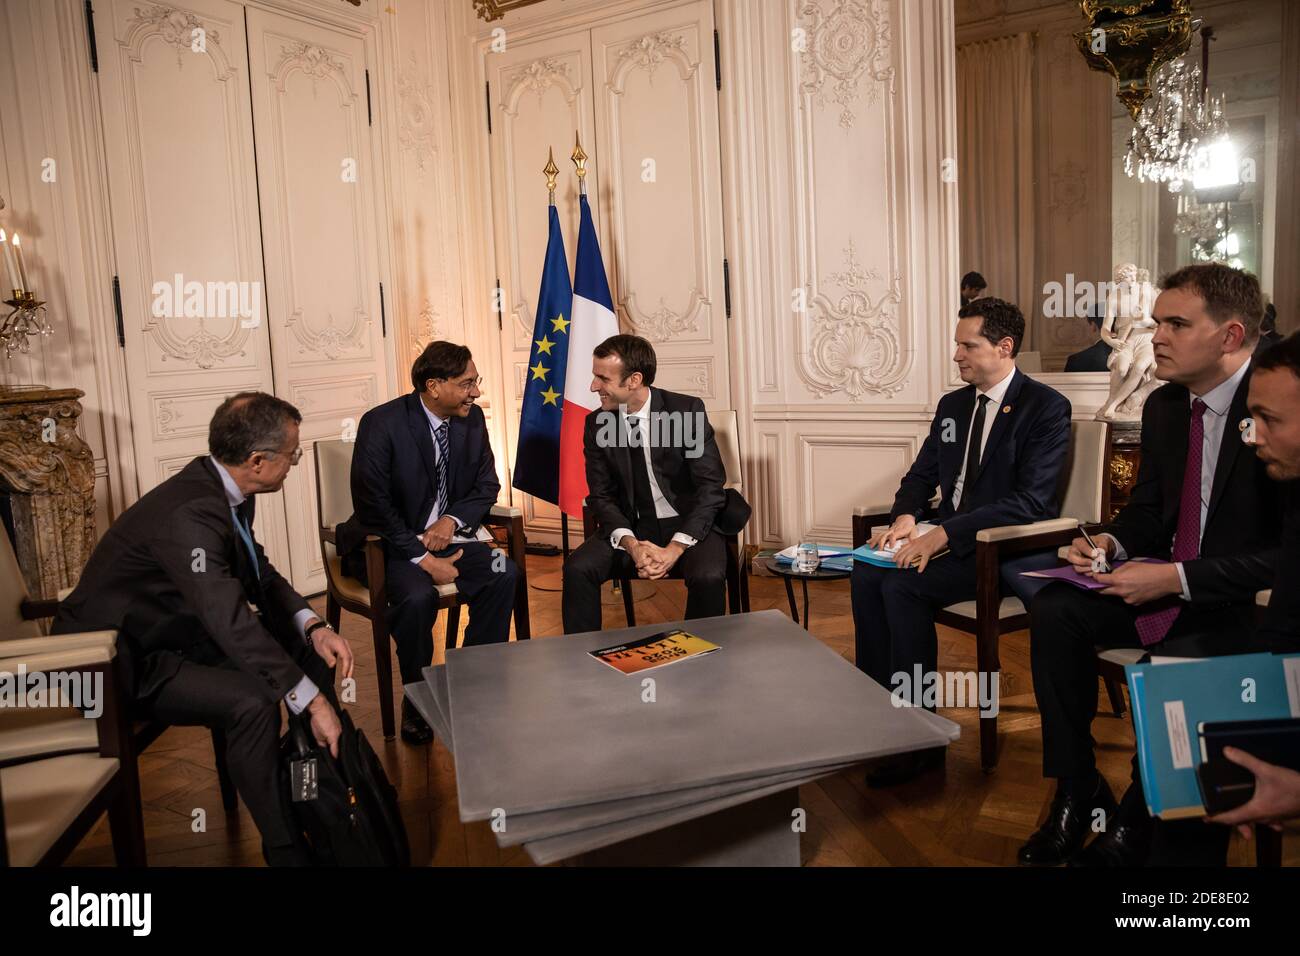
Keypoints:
pixel 817 171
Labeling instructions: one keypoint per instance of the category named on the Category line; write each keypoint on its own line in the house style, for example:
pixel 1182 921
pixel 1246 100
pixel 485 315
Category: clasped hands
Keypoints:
pixel 1135 581
pixel 437 537
pixel 652 561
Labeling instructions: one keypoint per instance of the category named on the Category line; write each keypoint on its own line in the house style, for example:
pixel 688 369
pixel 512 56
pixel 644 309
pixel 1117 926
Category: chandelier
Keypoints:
pixel 1175 129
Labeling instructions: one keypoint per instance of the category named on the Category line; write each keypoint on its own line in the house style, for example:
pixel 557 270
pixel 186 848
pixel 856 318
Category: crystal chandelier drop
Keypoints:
pixel 1171 138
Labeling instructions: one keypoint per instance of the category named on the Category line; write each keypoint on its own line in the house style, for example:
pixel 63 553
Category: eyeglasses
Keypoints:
pixel 469 383
pixel 294 457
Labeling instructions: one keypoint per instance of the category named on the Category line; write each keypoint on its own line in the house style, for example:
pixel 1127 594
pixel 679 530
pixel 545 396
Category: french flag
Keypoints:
pixel 593 321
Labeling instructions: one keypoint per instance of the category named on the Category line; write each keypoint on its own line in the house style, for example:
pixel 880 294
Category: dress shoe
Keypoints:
pixel 1126 840
pixel 1069 821
pixel 414 728
pixel 900 768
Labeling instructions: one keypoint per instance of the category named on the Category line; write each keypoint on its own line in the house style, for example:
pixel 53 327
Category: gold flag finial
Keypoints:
pixel 579 159
pixel 551 171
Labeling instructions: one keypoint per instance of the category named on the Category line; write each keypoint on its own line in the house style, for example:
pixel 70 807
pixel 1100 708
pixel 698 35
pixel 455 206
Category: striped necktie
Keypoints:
pixel 444 452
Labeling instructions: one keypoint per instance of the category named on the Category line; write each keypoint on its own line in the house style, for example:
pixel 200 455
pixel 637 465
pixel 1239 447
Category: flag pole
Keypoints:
pixel 552 171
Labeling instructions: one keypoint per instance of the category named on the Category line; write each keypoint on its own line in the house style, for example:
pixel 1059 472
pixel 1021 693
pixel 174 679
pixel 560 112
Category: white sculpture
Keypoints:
pixel 1128 329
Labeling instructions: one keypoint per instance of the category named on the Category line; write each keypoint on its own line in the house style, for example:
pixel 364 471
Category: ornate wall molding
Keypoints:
pixel 649 52
pixel 843 48
pixel 174 27
pixel 537 77
pixel 331 341
pixel 417 117
pixel 855 346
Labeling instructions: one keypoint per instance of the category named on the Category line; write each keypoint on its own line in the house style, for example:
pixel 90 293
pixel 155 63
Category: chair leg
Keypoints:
pixel 625 585
pixel 453 627
pixel 333 612
pixel 384 672
pixel 126 822
pixel 986 654
pixel 229 798
pixel 1116 694
pixel 733 578
pixel 744 589
pixel 1268 847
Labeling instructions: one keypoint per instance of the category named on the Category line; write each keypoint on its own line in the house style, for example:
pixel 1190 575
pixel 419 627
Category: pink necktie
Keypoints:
pixel 1153 625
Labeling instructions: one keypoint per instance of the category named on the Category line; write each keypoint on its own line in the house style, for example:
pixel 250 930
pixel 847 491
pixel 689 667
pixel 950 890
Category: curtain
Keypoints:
pixel 995 167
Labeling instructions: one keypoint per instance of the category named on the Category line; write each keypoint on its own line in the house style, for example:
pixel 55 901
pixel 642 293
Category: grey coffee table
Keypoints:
pixel 576 760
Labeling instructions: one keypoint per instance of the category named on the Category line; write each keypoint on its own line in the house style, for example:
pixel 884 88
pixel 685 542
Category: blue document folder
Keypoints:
pixel 1171 700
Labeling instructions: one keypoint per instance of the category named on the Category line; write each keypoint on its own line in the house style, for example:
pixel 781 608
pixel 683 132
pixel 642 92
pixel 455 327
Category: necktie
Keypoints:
pixel 973 452
pixel 647 521
pixel 1154 624
pixel 443 454
pixel 241 525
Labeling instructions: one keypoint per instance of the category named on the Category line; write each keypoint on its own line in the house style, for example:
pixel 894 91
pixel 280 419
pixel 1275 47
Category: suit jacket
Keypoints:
pixel 395 476
pixel 1091 359
pixel 174 577
pixel 693 486
pixel 1019 477
pixel 1280 631
pixel 1239 546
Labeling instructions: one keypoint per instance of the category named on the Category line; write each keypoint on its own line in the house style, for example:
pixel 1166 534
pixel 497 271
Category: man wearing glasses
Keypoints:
pixel 423 479
pixel 211 633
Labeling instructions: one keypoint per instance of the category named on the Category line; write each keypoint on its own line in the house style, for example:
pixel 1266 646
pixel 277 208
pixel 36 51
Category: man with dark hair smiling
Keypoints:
pixel 214 635
pixel 995 453
pixel 1202 505
pixel 654 500
pixel 423 479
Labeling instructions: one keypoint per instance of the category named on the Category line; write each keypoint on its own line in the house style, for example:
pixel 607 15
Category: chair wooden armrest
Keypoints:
pixel 327 534
pixel 502 514
pixel 512 521
pixel 1021 538
pixel 10 650
pixel 33 609
pixel 864 516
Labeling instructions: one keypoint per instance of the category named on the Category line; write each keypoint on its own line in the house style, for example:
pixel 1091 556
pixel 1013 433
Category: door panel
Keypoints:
pixel 316 173
pixel 179 142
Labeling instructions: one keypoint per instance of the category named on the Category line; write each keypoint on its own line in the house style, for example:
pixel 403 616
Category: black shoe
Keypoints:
pixel 1069 821
pixel 900 768
pixel 414 728
pixel 1126 839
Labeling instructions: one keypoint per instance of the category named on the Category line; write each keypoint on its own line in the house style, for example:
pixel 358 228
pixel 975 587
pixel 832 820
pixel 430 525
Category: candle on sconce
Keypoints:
pixel 11 265
pixel 22 271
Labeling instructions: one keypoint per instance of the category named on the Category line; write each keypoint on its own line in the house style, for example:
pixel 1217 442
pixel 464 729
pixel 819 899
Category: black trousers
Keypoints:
pixel 703 568
pixel 223 697
pixel 487 584
pixel 1067 626
pixel 893 614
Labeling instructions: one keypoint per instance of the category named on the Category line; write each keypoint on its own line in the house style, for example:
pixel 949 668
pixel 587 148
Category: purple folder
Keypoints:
pixel 1067 574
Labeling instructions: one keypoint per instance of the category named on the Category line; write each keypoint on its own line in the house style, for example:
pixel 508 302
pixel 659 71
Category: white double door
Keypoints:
pixel 241 176
pixel 641 91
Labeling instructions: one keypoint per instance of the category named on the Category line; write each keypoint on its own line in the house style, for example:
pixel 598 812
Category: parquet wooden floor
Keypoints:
pixel 955 817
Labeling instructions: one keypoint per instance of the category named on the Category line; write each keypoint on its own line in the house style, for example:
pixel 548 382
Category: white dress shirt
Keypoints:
pixel 434 422
pixel 305 690
pixel 991 411
pixel 1218 401
pixel 662 508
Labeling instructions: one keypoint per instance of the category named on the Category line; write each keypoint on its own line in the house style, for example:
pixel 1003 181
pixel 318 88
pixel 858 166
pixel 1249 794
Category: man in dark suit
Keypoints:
pixel 423 479
pixel 1205 506
pixel 995 451
pixel 654 487
pixel 1095 356
pixel 214 636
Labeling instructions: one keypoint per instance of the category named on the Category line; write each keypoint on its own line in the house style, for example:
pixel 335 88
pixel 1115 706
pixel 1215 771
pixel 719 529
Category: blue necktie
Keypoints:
pixel 247 535
pixel 443 452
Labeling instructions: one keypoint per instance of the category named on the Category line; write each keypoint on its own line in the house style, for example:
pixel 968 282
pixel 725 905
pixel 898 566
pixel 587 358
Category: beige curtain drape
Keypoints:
pixel 995 167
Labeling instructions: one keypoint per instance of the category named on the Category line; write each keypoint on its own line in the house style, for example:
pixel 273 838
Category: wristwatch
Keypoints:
pixel 315 627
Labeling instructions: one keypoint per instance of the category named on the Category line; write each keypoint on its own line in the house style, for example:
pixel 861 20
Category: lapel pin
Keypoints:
pixel 1006 409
